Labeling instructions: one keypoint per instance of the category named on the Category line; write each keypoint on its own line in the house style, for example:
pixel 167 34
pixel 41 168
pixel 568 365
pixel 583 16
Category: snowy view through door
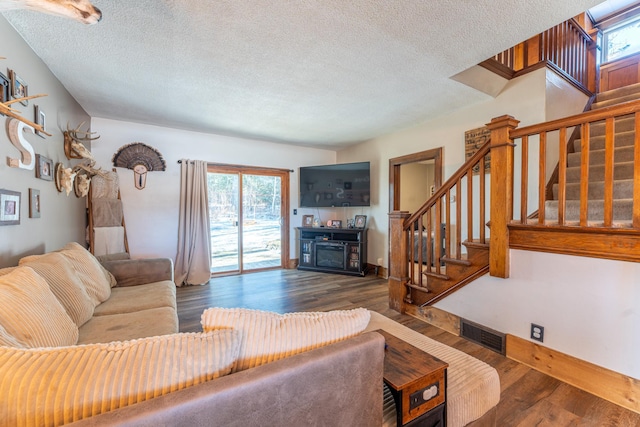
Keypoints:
pixel 255 242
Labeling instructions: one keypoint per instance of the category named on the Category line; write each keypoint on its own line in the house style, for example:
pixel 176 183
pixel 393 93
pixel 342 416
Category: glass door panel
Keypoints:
pixel 224 211
pixel 261 221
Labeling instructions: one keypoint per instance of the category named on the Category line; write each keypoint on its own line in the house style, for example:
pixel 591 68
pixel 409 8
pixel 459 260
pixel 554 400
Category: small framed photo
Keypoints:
pixel 34 203
pixel 9 207
pixel 44 168
pixel 40 119
pixel 334 223
pixel 307 220
pixel 19 88
pixel 361 221
pixel 5 88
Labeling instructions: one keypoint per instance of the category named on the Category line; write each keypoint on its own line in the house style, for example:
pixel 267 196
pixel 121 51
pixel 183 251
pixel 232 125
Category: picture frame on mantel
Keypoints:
pixel 360 221
pixel 307 220
pixel 9 207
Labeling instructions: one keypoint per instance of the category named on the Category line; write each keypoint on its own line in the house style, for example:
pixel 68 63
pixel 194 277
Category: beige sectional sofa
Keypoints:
pixel 92 344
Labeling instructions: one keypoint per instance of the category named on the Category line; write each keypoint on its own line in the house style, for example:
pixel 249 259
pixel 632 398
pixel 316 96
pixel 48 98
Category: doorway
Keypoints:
pixel 248 213
pixel 420 171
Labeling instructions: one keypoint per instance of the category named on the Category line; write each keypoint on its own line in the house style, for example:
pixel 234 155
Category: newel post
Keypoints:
pixel 501 193
pixel 398 266
pixel 593 61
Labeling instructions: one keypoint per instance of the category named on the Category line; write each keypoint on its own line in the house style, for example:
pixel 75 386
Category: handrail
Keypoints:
pixel 576 120
pixel 450 183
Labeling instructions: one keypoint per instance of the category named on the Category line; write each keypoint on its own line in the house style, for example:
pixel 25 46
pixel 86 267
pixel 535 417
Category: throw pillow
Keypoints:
pixel 7 340
pixel 95 277
pixel 64 283
pixel 31 313
pixel 58 386
pixel 267 336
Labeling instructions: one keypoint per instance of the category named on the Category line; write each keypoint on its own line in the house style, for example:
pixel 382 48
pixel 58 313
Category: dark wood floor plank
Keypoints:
pixel 528 397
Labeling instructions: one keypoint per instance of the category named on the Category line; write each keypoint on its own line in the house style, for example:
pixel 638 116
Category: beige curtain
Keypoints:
pixel 193 261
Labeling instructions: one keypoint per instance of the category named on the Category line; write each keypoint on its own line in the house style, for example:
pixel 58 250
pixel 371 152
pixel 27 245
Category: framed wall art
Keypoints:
pixel 34 203
pixel 360 221
pixel 44 168
pixel 9 207
pixel 39 119
pixel 474 139
pixel 5 88
pixel 19 88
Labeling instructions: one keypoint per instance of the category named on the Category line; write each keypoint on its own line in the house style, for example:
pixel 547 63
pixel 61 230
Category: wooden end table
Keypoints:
pixel 417 381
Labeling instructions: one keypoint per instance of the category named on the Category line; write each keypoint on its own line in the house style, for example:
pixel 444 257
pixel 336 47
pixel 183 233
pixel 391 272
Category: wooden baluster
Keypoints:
pixel 458 187
pixel 437 244
pixel 524 181
pixel 398 264
pixel 542 172
pixel 470 205
pixel 608 171
pixel 636 175
pixel 447 232
pixel 481 213
pixel 428 243
pixel 584 173
pixel 501 193
pixel 562 176
pixel 418 245
pixel 411 249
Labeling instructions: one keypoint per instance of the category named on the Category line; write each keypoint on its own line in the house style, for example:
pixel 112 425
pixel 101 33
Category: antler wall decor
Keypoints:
pixel 79 10
pixel 79 176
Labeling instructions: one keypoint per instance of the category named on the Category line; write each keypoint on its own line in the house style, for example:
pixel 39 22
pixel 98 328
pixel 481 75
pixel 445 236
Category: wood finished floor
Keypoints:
pixel 528 397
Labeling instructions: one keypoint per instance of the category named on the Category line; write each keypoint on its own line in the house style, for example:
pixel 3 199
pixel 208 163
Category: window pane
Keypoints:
pixel 623 41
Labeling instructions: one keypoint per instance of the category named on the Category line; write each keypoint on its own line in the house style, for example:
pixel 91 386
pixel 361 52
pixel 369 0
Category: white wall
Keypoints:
pixel 62 217
pixel 589 307
pixel 151 214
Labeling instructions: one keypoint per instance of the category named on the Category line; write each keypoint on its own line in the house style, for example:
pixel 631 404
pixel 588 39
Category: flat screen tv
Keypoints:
pixel 338 185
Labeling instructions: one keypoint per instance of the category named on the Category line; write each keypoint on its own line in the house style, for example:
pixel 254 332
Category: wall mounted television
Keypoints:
pixel 346 184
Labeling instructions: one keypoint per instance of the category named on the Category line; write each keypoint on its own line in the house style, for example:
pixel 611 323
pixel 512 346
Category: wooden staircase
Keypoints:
pixel 623 167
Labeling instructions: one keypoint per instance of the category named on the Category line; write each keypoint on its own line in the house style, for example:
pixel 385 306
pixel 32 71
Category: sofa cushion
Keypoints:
pixel 31 313
pixel 92 379
pixel 141 297
pixel 129 326
pixel 64 283
pixel 267 336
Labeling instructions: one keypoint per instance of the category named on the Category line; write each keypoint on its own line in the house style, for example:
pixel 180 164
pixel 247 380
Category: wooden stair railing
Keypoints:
pixel 427 261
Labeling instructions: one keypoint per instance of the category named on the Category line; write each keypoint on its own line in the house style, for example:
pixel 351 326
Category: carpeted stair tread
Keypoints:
pixel 622 189
pixel 622 124
pixel 621 139
pixel 596 157
pixel 616 101
pixel 596 173
pixel 619 92
pixel 622 210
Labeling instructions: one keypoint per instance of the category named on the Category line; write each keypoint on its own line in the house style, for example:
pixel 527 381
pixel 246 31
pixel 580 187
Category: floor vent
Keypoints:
pixel 482 335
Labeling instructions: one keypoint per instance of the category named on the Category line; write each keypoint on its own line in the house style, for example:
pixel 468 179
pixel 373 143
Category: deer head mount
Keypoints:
pixel 73 142
pixel 79 10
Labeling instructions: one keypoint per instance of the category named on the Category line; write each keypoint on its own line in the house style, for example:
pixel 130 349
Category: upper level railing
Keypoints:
pixel 595 188
pixel 567 47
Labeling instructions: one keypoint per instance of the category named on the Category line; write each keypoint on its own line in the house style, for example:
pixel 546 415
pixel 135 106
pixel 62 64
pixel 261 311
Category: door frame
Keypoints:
pixel 285 202
pixel 434 154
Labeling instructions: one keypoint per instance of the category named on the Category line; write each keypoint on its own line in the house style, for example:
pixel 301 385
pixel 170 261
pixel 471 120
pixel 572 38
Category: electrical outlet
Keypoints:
pixel 537 332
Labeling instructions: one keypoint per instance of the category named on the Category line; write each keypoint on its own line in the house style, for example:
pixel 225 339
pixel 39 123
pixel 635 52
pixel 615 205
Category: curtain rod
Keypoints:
pixel 246 167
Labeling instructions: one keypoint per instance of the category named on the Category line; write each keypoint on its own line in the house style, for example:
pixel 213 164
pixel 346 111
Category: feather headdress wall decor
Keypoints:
pixel 141 158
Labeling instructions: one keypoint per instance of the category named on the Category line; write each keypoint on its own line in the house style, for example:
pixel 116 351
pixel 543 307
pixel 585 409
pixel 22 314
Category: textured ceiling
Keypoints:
pixel 325 73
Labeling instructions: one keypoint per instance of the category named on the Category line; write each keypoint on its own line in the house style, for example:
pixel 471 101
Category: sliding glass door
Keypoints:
pixel 248 217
